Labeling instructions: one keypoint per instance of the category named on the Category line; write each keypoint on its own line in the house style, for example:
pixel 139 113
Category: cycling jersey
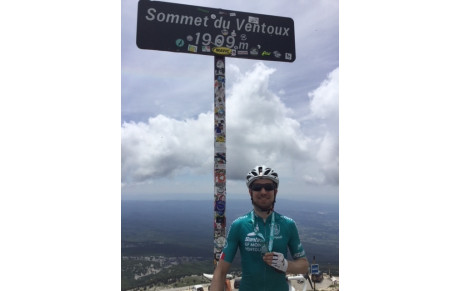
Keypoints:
pixel 250 234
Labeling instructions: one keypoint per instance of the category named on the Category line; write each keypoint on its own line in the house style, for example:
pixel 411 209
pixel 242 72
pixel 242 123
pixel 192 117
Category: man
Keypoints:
pixel 263 236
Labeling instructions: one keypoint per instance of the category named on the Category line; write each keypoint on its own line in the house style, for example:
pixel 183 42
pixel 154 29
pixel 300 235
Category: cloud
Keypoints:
pixel 260 129
pixel 325 99
pixel 324 111
pixel 164 147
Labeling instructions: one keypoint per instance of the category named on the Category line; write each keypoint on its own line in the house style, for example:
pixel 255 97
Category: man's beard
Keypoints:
pixel 266 208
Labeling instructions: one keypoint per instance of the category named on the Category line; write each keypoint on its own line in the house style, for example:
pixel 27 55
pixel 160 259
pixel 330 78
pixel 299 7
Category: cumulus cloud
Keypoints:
pixel 324 110
pixel 325 99
pixel 164 147
pixel 260 129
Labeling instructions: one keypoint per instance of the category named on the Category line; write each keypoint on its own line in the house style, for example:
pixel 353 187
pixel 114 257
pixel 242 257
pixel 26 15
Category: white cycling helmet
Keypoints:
pixel 262 172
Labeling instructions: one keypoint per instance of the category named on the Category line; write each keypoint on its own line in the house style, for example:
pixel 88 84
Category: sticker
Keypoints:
pixel 221 138
pixel 219 233
pixel 202 10
pixel 219 207
pixel 220 64
pixel 219 147
pixel 219 91
pixel 219 197
pixel 219 72
pixel 252 19
pixel 219 83
pixel 219 175
pixel 220 191
pixel 206 48
pixel 219 159
pixel 218 225
pixel 221 220
pixel 219 111
pixel 217 255
pixel 220 129
pixel 180 42
pixel 222 51
pixel 192 48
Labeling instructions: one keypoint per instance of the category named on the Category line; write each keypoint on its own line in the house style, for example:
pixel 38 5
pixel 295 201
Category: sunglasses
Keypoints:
pixel 267 187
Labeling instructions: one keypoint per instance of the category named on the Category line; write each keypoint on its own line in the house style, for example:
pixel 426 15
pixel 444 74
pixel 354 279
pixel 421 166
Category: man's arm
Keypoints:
pixel 220 274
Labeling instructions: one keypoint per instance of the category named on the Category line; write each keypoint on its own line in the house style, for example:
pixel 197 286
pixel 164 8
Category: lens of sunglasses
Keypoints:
pixel 267 187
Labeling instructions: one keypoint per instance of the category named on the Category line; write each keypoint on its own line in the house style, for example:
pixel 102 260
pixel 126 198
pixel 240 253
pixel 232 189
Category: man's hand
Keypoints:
pixel 277 261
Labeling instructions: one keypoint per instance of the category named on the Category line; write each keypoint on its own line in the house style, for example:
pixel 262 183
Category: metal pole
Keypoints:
pixel 220 157
pixel 314 282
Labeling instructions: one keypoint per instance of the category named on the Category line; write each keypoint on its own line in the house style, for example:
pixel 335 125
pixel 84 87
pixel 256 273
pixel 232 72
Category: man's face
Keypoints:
pixel 263 198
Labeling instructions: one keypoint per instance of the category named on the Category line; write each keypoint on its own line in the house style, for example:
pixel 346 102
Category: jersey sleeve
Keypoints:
pixel 295 246
pixel 231 244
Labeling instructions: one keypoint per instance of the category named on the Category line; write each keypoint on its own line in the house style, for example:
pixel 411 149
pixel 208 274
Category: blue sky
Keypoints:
pixel 284 115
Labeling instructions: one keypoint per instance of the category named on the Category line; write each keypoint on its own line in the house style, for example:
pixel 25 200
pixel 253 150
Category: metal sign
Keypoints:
pixel 209 31
pixel 315 269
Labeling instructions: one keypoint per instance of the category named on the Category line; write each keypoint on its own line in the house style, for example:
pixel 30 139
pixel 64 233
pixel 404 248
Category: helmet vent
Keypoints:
pixel 262 172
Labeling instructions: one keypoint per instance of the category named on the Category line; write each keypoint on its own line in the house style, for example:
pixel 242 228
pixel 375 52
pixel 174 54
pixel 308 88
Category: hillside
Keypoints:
pixel 182 231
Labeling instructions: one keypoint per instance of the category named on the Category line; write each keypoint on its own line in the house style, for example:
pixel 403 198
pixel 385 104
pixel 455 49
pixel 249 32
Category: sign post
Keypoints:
pixel 314 271
pixel 220 33
pixel 220 157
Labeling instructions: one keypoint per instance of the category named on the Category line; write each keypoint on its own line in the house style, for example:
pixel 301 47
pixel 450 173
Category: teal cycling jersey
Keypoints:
pixel 251 234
